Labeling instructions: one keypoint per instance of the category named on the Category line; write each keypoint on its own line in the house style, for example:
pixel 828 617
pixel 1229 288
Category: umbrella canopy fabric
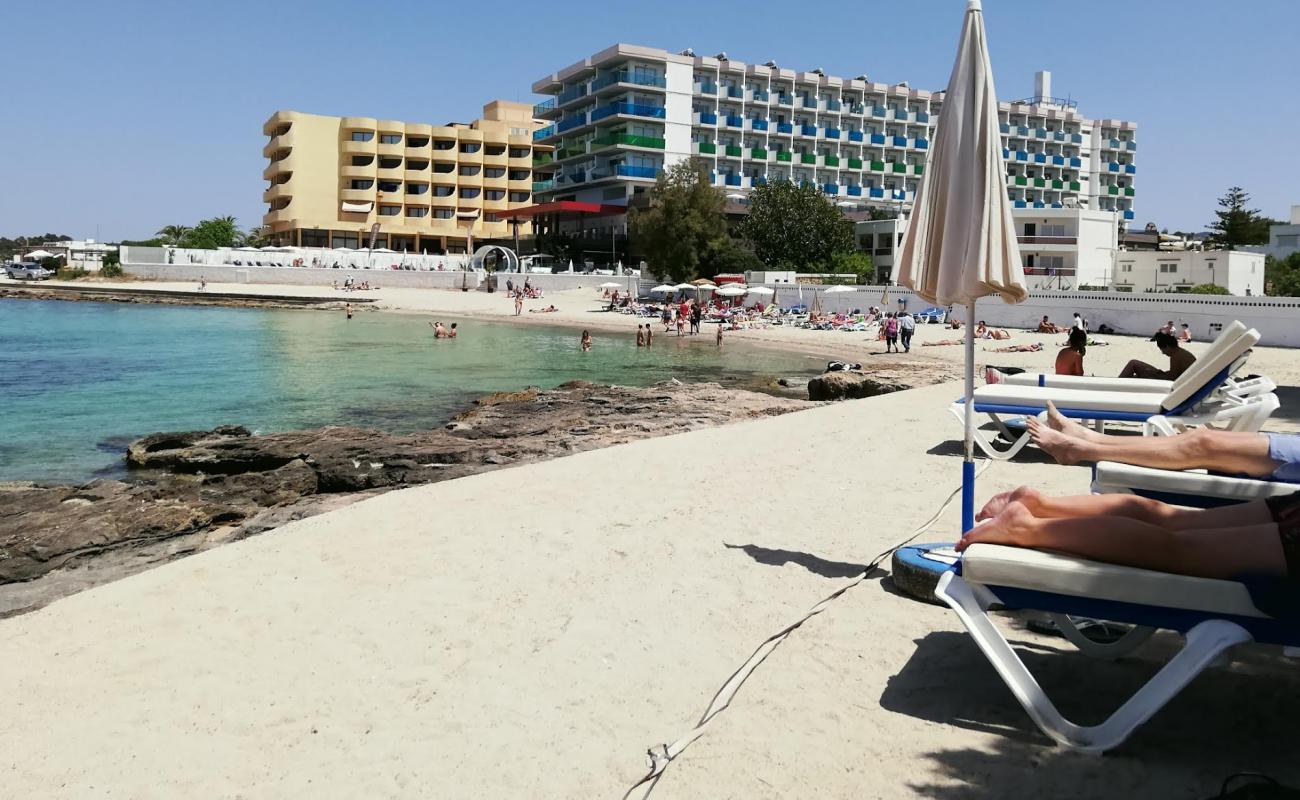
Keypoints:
pixel 961 240
pixel 611 285
pixel 761 290
pixel 39 254
pixel 731 291
pixel 703 283
pixel 682 287
pixel 839 289
pixel 664 288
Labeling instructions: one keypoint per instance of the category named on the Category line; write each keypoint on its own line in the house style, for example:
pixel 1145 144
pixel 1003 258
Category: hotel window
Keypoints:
pixel 362 161
pixel 495 150
pixel 470 171
pixel 519 197
pixel 444 144
pixel 518 174
pixel 417 212
pixel 315 238
pixel 469 193
pixel 390 186
pixel 390 138
pixel 348 240
pixel 417 141
pixel 494 194
pixel 518 131
pixel 443 191
pixel 361 184
pixel 470 147
pixel 390 163
pixel 417 188
pixel 443 213
pixel 519 152
pixel 362 136
pixel 1169 268
pixel 494 172
pixel 417 166
pixel 389 211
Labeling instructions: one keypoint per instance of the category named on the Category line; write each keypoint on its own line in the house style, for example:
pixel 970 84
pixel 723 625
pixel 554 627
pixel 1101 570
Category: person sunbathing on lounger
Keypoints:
pixel 942 342
pixel 1259 538
pixel 982 331
pixel 1179 361
pixel 1272 456
pixel 1020 348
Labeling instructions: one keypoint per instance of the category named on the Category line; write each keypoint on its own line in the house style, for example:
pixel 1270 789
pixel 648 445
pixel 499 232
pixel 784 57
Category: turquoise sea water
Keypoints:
pixel 80 380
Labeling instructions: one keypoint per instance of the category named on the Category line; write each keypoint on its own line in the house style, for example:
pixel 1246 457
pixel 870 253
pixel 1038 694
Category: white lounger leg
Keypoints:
pixel 1132 639
pixel 1205 642
pixel 985 444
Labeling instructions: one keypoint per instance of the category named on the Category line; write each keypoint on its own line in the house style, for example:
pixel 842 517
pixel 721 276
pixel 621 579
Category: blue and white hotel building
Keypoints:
pixel 620 116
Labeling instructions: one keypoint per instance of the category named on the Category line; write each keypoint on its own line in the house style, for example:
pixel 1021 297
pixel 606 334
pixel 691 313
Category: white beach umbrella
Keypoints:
pixel 570 265
pixel 684 287
pixel 839 289
pixel 39 254
pixel 664 288
pixel 961 240
pixel 731 290
pixel 762 290
pixel 611 285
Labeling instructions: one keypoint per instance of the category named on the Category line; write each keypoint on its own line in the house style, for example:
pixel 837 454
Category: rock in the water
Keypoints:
pixel 848 385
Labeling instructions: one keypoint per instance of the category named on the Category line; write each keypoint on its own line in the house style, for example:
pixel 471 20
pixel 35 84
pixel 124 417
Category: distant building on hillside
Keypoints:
pixel 1238 271
pixel 1284 239
pixel 86 254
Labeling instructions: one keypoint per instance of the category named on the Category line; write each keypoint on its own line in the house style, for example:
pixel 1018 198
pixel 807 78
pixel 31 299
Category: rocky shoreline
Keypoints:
pixel 112 293
pixel 191 491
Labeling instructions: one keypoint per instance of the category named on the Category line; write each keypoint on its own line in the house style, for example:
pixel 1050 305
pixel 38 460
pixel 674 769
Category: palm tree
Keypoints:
pixel 172 234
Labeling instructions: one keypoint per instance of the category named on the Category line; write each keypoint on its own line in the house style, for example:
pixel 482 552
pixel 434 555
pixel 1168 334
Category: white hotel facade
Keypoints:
pixel 620 116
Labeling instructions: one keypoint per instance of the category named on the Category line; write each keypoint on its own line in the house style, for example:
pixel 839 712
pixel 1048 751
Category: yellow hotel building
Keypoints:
pixel 429 187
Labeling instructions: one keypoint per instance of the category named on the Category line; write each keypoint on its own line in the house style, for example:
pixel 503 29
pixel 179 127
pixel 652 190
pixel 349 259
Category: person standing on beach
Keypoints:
pixel 681 319
pixel 906 327
pixel 586 340
pixel 347 309
pixel 667 316
pixel 519 303
pixel 891 333
pixel 697 314
pixel 718 339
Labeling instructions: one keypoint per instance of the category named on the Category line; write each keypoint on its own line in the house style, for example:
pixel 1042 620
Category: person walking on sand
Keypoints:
pixel 718 339
pixel 203 283
pixel 681 319
pixel 640 336
pixel 697 316
pixel 891 333
pixel 586 341
pixel 906 327
pixel 666 316
pixel 519 303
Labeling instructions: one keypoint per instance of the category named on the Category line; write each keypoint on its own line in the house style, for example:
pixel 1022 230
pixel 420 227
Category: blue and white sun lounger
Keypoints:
pixel 1190 401
pixel 1191 488
pixel 1214 615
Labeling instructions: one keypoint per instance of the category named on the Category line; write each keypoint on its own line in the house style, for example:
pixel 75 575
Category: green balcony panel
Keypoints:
pixel 733 150
pixel 782 155
pixel 708 147
pixel 832 161
pixel 1074 186
pixel 899 168
pixel 1128 191
pixel 612 139
pixel 807 158
pixel 878 166
pixel 1112 190
pixel 1058 184
pixel 918 169
pixel 758 152
pixel 855 163
pixel 1039 183
pixel 1021 180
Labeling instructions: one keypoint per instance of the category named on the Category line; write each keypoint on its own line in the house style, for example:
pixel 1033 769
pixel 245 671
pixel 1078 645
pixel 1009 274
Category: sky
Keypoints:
pixel 123 117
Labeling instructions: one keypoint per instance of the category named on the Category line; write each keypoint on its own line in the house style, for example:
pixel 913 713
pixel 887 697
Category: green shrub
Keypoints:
pixel 1207 288
pixel 111 266
pixel 69 273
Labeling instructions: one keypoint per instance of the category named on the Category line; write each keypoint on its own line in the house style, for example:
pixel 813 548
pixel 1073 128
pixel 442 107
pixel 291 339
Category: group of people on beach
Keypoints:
pixel 350 284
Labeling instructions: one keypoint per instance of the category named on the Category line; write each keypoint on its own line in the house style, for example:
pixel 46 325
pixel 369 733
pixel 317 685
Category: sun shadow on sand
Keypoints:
pixel 954 447
pixel 1226 721
pixel 812 563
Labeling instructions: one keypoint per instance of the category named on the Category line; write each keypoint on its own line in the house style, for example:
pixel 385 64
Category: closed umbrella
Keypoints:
pixel 961 240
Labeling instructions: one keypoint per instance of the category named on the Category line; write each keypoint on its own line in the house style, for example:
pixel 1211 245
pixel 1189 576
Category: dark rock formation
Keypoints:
pixel 199 488
pixel 849 385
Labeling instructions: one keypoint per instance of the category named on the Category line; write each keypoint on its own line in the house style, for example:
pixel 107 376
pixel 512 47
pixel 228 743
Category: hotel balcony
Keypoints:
pixel 831 133
pixel 572 121
pixel 626 171
pixel 706 87
pixel 357 195
pixel 624 79
pixel 784 156
pixel 277 143
pixel 365 171
pixel 350 148
pixel 1049 242
pixel 856 136
pixel 733 180
pixel 732 151
pixel 807 158
pixel 785 127
pixel 626 140
pixel 705 148
pixel 808 130
pixel 758 153
pixel 705 118
pixel 734 122
pixel 276 192
pixel 832 189
pixel 830 160
pixel 543 133
pixel 419 175
pixel 543 108
pixel 571 94
pixel 543 186
pixel 854 191
pixel 758 124
pixel 628 109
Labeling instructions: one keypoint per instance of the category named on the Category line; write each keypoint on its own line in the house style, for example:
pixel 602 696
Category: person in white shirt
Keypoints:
pixel 906 327
pixel 1079 323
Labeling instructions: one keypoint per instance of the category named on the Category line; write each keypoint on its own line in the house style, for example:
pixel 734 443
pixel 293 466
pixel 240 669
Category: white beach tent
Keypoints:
pixel 961 240
pixel 37 255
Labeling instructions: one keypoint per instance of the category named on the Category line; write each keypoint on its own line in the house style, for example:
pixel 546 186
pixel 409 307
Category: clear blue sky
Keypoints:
pixel 122 117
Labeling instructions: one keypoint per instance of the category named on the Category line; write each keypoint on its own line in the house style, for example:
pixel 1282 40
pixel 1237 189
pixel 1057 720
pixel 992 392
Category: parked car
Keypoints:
pixel 932 315
pixel 27 271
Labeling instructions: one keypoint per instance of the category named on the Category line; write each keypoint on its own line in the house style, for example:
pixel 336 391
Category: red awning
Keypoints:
pixel 562 208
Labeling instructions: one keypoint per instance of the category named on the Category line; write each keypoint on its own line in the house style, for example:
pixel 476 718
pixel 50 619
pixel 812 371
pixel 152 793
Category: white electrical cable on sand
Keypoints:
pixel 658 758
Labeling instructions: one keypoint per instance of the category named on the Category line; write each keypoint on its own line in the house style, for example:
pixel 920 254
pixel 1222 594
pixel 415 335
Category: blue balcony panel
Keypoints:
pixel 569 123
pixel 628 171
pixel 1112 167
pixel 855 136
pixel 899 194
pixel 832 133
pixel 549 130
pixel 922 144
pixel 900 113
pixel 572 93
pixel 1040 158
pixel 758 124
pixel 833 105
pixel 1076 162
pixel 808 130
pixel 733 180
pixel 879 111
pixel 1077 138
pixel 1021 155
pixel 1128 215
pixel 900 141
pixel 877 138
pixel 708 118
pixel 1022 131
pixel 831 188
pixel 1058 160
pixel 876 191
pixel 736 122
pixel 735 91
pixel 921 116
pixel 1130 169
pixel 1019 203
pixel 785 127
pixel 708 88
pixel 1006 153
pixel 855 191
pixel 810 102
pixel 1039 205
pixel 1005 128
pixel 1057 205
pixel 1132 145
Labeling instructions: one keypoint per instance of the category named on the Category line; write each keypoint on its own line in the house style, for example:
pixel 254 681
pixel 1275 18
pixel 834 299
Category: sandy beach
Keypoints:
pixel 531 631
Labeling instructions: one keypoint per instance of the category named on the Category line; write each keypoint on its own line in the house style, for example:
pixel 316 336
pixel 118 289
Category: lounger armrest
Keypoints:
pixel 1110 477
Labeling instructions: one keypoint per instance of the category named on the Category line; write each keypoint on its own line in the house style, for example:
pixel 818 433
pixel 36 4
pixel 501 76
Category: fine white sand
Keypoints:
pixel 531 631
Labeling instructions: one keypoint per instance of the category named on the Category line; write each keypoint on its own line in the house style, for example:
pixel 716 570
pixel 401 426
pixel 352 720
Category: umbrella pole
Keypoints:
pixel 968 463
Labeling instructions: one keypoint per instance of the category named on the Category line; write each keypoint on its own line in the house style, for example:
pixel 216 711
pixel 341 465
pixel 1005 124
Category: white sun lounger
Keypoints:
pixel 1190 401
pixel 1214 615
pixel 1193 488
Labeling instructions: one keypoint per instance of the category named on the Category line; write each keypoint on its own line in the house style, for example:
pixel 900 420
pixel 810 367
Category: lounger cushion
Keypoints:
pixel 1100 384
pixel 1208 367
pixel 1003 394
pixel 1111 476
pixel 1036 570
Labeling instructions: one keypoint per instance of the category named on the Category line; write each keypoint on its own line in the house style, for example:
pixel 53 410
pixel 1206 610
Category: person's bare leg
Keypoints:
pixel 1199 448
pixel 1058 421
pixel 1128 505
pixel 1140 369
pixel 1205 552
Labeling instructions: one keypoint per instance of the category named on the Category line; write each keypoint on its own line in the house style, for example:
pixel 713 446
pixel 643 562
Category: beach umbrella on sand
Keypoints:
pixel 731 290
pixel 763 290
pixel 664 288
pixel 611 285
pixel 39 254
pixel 684 287
pixel 838 289
pixel 961 240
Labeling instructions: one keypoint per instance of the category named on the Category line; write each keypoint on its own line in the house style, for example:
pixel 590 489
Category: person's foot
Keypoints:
pixel 1059 422
pixel 1014 526
pixel 1066 449
pixel 1024 495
